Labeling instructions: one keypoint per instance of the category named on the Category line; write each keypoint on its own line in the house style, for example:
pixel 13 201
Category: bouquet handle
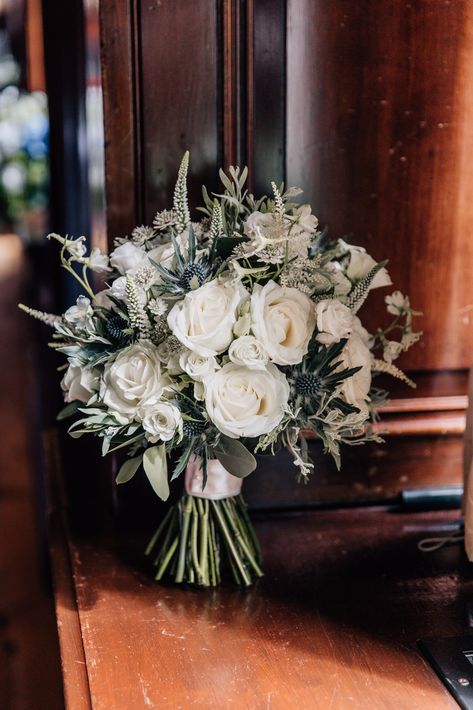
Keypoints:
pixel 207 532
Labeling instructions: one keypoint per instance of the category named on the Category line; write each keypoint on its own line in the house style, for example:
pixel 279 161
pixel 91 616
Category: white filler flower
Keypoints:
pixel 243 402
pixel 203 321
pixel 283 319
pixel 136 379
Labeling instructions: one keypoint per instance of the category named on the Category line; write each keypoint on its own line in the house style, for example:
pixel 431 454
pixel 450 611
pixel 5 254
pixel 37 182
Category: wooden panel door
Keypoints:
pixel 367 106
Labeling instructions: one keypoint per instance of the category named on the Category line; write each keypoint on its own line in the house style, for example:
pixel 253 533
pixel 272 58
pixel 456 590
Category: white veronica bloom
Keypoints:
pixel 248 351
pixel 246 403
pixel 356 353
pixel 79 383
pixel 126 257
pixel 334 321
pixel 283 319
pixel 135 379
pixel 161 421
pixel 197 366
pixel 203 321
pixel 361 264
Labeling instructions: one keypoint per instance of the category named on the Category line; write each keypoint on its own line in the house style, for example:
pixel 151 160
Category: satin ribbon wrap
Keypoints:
pixel 220 484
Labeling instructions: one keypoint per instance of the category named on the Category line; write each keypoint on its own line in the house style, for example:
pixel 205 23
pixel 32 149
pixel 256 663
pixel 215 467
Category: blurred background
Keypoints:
pixel 51 175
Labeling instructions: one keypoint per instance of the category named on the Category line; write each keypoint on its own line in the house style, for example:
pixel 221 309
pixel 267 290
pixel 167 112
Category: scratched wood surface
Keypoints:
pixel 333 624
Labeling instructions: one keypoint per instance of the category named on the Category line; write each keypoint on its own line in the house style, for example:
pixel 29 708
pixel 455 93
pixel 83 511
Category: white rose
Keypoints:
pixel 283 320
pixel 165 255
pixel 126 257
pixel 197 366
pixel 248 351
pixel 161 421
pixel 79 383
pixel 246 403
pixel 334 321
pixel 136 378
pixel 361 264
pixel 203 321
pixel 355 389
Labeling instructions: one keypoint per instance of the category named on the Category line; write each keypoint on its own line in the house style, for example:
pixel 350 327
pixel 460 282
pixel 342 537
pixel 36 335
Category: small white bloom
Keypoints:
pixel 248 351
pixel 197 366
pixel 283 319
pixel 397 303
pixel 392 349
pixel 79 383
pixel 76 247
pixel 96 261
pixel 203 321
pixel 80 315
pixel 118 290
pixel 135 379
pixel 161 421
pixel 334 321
pixel 246 403
pixel 126 257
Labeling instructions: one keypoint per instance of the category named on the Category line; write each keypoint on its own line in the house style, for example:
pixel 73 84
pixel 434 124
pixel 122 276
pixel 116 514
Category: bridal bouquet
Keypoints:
pixel 219 339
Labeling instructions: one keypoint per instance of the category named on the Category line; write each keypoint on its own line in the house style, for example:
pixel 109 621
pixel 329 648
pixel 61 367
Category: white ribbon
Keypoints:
pixel 220 484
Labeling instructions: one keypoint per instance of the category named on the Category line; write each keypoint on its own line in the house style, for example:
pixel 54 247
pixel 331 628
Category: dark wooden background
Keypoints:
pixel 368 107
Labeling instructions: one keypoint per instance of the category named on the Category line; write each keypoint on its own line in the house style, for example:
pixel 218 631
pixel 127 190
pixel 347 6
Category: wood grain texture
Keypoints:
pixel 333 624
pixel 117 28
pixel 178 69
pixel 380 109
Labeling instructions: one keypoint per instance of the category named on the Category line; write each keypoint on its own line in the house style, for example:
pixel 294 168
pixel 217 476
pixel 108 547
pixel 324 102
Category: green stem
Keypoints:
pixel 230 545
pixel 203 508
pixel 186 513
pixel 194 553
pixel 240 539
pixel 167 559
pixel 158 532
pixel 243 508
pixel 169 533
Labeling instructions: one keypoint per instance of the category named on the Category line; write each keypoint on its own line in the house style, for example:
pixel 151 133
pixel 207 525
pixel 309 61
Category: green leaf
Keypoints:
pixel 156 468
pixel 235 457
pixel 128 470
pixel 67 411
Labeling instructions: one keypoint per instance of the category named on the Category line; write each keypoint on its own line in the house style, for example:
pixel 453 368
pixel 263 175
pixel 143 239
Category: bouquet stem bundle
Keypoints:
pixel 199 538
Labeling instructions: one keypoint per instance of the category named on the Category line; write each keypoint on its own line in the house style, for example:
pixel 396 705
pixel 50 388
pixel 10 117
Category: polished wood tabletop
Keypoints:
pixel 333 624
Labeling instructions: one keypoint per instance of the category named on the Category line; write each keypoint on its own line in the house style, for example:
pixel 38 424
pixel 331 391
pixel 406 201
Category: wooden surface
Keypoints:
pixel 334 623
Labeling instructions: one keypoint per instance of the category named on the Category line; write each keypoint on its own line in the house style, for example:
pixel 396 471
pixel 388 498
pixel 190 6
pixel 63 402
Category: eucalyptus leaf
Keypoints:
pixel 67 411
pixel 128 469
pixel 156 468
pixel 235 457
